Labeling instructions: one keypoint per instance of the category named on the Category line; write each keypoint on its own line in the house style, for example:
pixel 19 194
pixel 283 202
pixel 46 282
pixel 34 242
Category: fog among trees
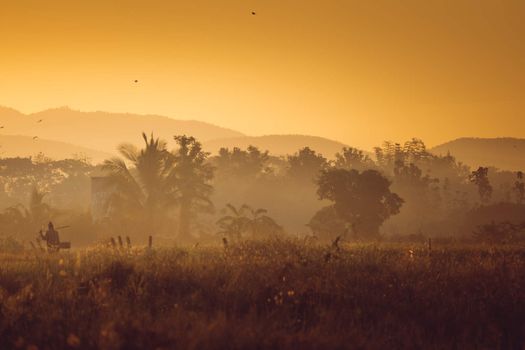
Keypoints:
pixel 185 194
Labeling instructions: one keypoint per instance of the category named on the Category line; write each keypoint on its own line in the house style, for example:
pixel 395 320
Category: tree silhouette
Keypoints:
pixel 352 158
pixel 143 192
pixel 234 223
pixel 389 154
pixel 415 150
pixel 327 225
pixel 246 219
pixel 191 176
pixel 261 224
pixel 242 163
pixel 519 188
pixel 412 151
pixel 423 200
pixel 158 180
pixel 306 164
pixel 27 220
pixel 363 200
pixel 481 179
pixel 411 176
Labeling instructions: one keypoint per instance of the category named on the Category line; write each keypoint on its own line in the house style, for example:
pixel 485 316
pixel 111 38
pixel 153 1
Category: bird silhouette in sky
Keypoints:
pixel 1 127
pixel 35 137
pixel 135 81
pixel 253 13
pixel 39 121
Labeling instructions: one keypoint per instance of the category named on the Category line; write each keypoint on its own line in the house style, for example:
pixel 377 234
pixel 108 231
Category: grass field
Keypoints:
pixel 273 294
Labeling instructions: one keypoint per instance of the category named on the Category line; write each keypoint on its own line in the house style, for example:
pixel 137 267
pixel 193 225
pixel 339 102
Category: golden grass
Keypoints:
pixel 272 294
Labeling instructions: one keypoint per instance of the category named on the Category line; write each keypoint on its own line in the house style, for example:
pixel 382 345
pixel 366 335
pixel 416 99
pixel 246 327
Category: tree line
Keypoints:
pixel 187 193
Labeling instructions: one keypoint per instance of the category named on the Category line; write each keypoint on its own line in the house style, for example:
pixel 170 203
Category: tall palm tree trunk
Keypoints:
pixel 185 220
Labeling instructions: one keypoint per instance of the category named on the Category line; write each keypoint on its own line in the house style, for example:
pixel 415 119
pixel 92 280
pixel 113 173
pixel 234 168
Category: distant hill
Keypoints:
pixel 26 146
pixel 278 144
pixel 504 153
pixel 101 130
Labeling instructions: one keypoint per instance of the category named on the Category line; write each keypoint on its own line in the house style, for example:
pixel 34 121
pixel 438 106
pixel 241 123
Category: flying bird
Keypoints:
pixel 39 121
pixel 135 81
pixel 35 137
pixel 253 13
pixel 1 127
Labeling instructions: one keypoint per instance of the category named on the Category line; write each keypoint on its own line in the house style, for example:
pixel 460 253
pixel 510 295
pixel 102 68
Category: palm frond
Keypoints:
pixel 260 211
pixel 129 152
pixel 232 209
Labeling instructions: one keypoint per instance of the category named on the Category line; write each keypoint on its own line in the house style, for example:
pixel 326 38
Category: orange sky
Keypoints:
pixel 355 71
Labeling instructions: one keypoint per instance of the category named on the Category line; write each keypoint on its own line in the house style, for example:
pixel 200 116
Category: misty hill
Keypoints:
pixel 278 144
pixel 26 146
pixel 102 130
pixel 504 153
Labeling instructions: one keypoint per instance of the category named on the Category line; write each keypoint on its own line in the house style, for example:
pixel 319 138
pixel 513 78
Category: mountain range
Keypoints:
pixel 103 131
pixel 62 133
pixel 504 153
pixel 27 146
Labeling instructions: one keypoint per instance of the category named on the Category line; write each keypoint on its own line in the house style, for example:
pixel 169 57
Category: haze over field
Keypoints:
pixel 262 174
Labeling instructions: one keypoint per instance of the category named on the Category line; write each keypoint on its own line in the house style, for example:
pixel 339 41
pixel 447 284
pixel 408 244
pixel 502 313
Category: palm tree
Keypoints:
pixel 28 219
pixel 261 224
pixel 144 189
pixel 190 178
pixel 238 222
pixel 234 224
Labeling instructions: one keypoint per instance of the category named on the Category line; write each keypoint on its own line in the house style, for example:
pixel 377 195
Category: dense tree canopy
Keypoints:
pixel 306 164
pixel 251 162
pixel 159 181
pixel 158 191
pixel 481 180
pixel 191 176
pixel 361 199
pixel 352 158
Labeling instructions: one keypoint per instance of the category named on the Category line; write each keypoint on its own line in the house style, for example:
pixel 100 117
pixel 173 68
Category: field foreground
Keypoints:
pixel 274 294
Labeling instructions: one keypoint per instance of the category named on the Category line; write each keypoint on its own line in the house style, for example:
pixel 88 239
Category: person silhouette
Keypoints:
pixel 51 237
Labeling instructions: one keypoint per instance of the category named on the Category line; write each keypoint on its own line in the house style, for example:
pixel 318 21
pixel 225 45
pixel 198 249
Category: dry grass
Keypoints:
pixel 273 294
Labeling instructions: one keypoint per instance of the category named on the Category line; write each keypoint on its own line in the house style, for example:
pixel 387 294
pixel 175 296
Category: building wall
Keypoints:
pixel 101 190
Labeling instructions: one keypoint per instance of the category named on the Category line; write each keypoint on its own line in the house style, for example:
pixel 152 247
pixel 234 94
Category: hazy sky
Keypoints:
pixel 355 71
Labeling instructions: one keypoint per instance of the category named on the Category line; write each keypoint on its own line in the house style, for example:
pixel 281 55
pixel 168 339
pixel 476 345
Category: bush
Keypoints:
pixel 500 233
pixel 10 245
